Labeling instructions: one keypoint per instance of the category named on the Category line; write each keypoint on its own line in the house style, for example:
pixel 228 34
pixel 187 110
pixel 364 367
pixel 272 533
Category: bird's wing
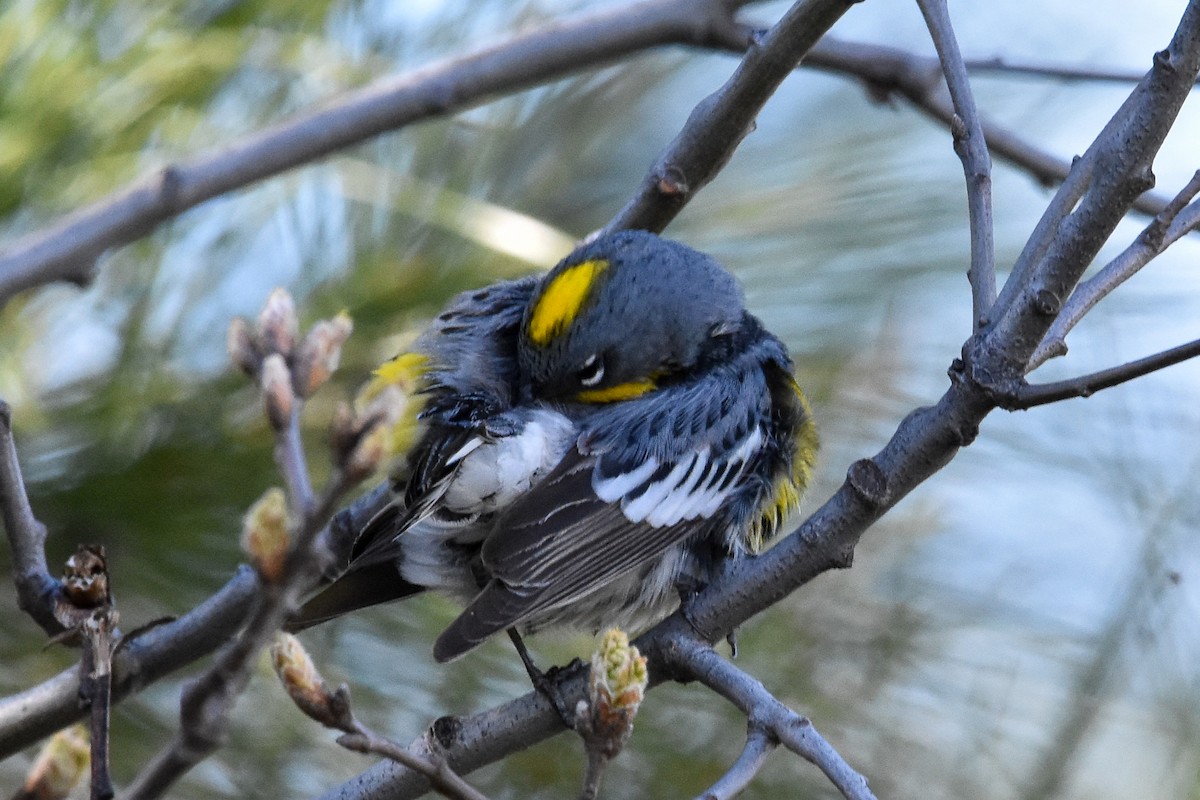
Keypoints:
pixel 467 367
pixel 660 470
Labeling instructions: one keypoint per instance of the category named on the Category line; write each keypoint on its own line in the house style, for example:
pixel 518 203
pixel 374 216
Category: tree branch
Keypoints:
pixel 720 121
pixel 68 249
pixel 971 146
pixel 1047 69
pixel 759 745
pixel 1164 230
pixel 691 658
pixel 41 710
pixel 1031 395
pixel 281 536
pixel 38 593
pixel 1113 171
pixel 891 71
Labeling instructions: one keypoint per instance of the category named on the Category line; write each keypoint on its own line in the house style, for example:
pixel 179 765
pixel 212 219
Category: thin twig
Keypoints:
pixel 289 565
pixel 444 780
pixel 1086 385
pixel 759 745
pixel 891 71
pixel 720 121
pixel 40 710
pixel 96 690
pixel 289 456
pixel 287 555
pixel 1157 236
pixel 1067 73
pixel 207 701
pixel 698 660
pixel 37 592
pixel 971 147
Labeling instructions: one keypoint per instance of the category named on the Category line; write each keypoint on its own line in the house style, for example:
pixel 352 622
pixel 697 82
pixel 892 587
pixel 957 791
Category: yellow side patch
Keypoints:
pixel 406 368
pixel 788 487
pixel 622 391
pixel 395 393
pixel 561 301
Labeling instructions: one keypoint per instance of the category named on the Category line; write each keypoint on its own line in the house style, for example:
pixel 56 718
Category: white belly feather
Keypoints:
pixel 489 477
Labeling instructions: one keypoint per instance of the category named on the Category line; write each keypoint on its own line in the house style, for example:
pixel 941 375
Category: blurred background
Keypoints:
pixel 1022 626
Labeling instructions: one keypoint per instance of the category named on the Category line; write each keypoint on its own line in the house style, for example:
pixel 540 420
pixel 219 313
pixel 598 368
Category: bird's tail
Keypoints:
pixel 359 588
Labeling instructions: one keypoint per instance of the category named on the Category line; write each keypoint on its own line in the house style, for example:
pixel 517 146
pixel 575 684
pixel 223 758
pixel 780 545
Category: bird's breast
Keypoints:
pixel 499 470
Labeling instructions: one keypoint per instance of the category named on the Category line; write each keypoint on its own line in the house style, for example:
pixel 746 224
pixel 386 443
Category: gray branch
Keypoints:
pixel 68 249
pixel 37 591
pixel 720 121
pixel 759 746
pixel 1180 217
pixel 890 71
pixel 971 146
pixel 691 658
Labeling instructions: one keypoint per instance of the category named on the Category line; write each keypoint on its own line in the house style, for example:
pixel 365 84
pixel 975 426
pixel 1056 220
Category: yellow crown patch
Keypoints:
pixel 562 300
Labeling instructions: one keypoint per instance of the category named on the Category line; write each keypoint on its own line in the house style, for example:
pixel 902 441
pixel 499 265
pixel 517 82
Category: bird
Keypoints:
pixel 581 448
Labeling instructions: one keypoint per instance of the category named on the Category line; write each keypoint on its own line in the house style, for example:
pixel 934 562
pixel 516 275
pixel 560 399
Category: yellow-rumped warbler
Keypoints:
pixel 588 442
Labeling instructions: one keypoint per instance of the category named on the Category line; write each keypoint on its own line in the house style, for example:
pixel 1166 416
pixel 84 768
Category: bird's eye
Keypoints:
pixel 592 371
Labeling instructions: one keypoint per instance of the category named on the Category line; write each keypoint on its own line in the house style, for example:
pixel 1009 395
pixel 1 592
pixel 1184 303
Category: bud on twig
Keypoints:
pixel 243 349
pixel 369 453
pixel 306 687
pixel 616 685
pixel 278 398
pixel 85 577
pixel 319 353
pixel 277 324
pixel 61 763
pixel 265 534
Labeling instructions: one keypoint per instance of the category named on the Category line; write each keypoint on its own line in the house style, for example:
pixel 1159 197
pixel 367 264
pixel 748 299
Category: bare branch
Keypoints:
pixel 1086 385
pixel 96 690
pixel 1060 72
pixel 289 456
pixel 1005 65
pixel 443 779
pixel 68 249
pixel 971 146
pixel 37 591
pixel 1114 170
pixel 720 121
pixel 207 701
pixel 696 659
pixel 39 711
pixel 890 70
pixel 759 745
pixel 1163 230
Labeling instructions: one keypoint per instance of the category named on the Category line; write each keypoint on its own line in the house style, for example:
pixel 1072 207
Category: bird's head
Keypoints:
pixel 621 315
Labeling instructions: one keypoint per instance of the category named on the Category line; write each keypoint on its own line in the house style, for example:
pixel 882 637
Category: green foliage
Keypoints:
pixel 90 88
